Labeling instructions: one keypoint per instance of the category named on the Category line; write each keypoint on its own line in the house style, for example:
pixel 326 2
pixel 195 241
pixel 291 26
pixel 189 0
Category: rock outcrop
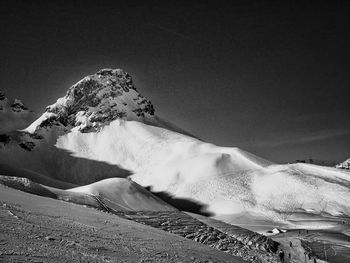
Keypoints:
pixel 95 101
pixel 344 165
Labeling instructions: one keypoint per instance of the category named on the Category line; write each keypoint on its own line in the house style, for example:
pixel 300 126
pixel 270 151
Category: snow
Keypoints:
pixel 227 180
pixel 123 194
pixel 124 137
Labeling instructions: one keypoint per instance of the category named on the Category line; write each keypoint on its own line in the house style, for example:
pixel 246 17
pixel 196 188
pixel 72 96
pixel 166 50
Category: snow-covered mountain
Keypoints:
pixel 14 114
pixel 104 128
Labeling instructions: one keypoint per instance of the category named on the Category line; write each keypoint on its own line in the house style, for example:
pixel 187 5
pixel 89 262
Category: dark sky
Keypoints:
pixel 270 77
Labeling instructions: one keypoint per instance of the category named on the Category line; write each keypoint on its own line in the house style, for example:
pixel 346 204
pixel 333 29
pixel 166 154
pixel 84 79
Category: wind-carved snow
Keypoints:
pixel 104 119
pixel 228 180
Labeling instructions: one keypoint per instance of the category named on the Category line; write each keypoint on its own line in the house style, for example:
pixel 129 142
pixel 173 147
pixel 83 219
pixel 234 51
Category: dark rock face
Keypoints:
pixel 2 95
pixel 53 121
pixel 29 146
pixel 35 136
pixel 5 139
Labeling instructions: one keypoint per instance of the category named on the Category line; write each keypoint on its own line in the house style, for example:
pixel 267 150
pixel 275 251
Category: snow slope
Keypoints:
pixel 104 128
pixel 228 180
pixel 123 194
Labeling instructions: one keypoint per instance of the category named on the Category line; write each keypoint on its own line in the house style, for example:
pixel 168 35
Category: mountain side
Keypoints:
pixel 104 128
pixel 95 101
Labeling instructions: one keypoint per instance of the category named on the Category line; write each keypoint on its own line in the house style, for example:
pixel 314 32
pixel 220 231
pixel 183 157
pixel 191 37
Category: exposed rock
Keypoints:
pixel 5 139
pixel 97 100
pixel 29 146
pixel 2 95
pixel 344 165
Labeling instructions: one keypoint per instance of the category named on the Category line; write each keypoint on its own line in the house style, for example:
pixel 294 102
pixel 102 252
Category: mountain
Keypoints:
pixel 103 127
pixel 14 114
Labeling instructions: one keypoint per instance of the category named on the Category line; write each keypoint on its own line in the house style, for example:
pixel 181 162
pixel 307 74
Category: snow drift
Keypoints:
pixel 104 128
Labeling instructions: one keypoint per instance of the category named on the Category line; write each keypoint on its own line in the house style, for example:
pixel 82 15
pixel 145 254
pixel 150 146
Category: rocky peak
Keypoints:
pixel 98 99
pixel 18 106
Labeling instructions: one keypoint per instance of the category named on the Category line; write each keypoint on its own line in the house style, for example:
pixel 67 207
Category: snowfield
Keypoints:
pixel 227 180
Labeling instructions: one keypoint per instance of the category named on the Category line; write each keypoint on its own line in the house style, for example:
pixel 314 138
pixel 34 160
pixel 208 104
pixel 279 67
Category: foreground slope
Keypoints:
pixel 128 200
pixel 36 228
pixel 104 128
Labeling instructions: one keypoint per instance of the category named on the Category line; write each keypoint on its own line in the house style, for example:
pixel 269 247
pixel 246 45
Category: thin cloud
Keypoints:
pixel 175 33
pixel 298 139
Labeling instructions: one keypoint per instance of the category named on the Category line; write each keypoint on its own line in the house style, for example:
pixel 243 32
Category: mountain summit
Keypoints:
pixel 96 100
